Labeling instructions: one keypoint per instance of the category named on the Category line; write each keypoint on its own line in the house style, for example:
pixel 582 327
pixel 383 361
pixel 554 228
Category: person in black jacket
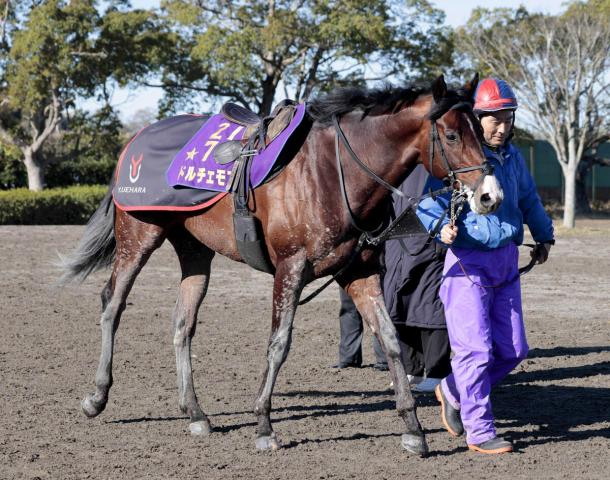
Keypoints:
pixel 413 270
pixel 411 282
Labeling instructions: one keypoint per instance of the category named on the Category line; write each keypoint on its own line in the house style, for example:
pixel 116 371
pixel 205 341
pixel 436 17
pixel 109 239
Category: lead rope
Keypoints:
pixel 457 197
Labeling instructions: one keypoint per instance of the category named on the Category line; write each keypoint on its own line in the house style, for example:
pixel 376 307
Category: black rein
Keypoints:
pixel 369 237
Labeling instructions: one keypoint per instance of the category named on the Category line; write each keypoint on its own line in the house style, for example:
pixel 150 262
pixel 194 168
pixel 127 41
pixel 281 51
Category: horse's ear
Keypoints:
pixel 439 89
pixel 471 86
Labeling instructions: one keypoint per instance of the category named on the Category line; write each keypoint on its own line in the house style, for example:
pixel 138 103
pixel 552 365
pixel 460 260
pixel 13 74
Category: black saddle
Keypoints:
pixel 259 131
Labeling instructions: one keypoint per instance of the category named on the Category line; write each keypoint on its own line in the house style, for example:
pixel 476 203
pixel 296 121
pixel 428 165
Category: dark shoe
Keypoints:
pixel 382 367
pixel 449 415
pixel 492 446
pixel 346 365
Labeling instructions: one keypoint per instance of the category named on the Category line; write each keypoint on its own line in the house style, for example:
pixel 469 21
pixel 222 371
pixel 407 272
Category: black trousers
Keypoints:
pixel 424 350
pixel 351 328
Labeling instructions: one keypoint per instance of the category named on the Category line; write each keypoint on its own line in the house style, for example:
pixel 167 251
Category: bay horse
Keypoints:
pixel 308 232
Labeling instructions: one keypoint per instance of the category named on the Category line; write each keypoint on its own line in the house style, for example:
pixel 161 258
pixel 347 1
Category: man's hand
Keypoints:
pixel 541 252
pixel 448 234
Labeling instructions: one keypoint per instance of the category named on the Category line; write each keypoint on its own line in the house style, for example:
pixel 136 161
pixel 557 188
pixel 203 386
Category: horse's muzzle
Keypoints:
pixel 488 197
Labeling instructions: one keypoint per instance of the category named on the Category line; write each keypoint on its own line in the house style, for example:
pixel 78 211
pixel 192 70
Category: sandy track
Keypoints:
pixel 335 424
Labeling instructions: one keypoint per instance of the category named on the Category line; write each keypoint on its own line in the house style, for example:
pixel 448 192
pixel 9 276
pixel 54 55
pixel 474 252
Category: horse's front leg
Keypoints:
pixel 367 295
pixel 287 287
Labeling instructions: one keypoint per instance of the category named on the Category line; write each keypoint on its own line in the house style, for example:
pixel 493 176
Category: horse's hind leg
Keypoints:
pixel 106 294
pixel 287 286
pixel 130 258
pixel 366 293
pixel 195 259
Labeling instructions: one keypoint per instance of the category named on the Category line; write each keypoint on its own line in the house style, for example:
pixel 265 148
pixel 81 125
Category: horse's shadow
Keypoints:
pixel 552 413
pixel 297 411
pixel 555 413
pixel 561 373
pixel 565 351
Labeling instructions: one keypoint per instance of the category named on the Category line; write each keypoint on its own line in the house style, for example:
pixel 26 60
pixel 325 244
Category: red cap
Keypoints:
pixel 493 95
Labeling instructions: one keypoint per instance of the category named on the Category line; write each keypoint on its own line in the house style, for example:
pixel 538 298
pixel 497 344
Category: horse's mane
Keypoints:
pixel 379 101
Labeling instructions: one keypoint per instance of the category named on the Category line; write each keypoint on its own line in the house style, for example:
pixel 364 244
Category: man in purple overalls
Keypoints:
pixel 481 289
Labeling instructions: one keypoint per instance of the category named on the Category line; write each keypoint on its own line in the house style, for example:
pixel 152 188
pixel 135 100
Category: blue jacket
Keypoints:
pixel 521 205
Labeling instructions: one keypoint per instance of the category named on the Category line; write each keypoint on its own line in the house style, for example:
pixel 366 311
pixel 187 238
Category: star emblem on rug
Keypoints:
pixel 191 155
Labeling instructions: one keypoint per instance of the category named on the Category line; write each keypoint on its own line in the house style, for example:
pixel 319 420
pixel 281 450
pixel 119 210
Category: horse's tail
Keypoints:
pixel 97 246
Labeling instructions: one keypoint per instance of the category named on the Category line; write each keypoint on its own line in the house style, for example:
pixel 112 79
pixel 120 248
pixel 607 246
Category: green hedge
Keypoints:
pixel 55 206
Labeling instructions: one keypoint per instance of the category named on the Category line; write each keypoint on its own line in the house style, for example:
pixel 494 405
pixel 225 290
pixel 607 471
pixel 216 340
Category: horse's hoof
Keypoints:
pixel 270 442
pixel 90 407
pixel 414 444
pixel 201 427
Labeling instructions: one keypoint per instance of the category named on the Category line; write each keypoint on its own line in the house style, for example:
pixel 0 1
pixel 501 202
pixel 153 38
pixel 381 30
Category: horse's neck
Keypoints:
pixel 388 145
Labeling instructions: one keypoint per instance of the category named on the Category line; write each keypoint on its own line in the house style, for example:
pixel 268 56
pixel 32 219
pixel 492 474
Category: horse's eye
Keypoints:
pixel 451 137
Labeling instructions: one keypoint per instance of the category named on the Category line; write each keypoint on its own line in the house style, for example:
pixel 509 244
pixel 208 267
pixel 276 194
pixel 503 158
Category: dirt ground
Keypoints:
pixel 334 424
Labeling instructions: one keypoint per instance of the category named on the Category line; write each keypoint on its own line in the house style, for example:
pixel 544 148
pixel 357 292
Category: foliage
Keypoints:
pixel 71 47
pixel 12 170
pixel 560 70
pixel 59 51
pixel 85 152
pixel 55 52
pixel 245 50
pixel 67 206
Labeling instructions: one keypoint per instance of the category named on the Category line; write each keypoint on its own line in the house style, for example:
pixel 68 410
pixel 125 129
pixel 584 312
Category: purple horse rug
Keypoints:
pixel 140 174
pixel 170 164
pixel 195 165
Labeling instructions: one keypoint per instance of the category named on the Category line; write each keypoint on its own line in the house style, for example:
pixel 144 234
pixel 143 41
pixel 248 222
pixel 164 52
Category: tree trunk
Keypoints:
pixel 35 170
pixel 569 206
pixel 269 87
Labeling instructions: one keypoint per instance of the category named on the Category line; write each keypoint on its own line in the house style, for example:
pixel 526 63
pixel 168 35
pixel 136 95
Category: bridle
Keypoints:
pixel 486 168
pixel 378 235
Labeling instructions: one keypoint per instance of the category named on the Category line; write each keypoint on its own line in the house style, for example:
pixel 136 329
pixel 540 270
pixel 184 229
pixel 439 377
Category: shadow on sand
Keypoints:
pixel 553 413
pixel 565 351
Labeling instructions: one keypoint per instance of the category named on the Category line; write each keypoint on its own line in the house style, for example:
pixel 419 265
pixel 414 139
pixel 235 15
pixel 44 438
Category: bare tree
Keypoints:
pixel 40 125
pixel 559 68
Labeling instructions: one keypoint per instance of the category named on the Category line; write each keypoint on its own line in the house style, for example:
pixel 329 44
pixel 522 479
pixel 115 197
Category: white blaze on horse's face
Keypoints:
pixel 488 196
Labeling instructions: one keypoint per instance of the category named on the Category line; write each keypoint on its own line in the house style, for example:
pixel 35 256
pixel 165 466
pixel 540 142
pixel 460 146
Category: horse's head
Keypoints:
pixel 454 146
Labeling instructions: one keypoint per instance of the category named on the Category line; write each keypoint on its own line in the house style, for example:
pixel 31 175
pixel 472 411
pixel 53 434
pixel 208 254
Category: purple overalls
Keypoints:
pixel 486 331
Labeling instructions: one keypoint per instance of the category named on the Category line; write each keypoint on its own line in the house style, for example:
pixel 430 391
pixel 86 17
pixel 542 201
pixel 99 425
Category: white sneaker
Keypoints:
pixel 426 386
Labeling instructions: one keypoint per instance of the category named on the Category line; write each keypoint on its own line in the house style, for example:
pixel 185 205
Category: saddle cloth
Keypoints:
pixel 195 165
pixel 169 165
pixel 140 174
